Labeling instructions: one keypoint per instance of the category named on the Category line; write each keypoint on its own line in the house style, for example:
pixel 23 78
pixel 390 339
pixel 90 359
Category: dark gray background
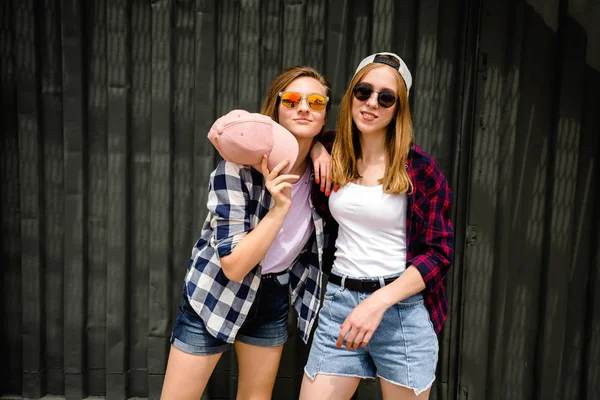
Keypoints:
pixel 104 164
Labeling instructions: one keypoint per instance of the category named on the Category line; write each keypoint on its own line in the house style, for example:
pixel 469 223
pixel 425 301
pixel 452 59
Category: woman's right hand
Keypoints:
pixel 279 185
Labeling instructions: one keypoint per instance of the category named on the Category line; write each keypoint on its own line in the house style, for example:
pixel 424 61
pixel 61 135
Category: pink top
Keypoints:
pixel 297 228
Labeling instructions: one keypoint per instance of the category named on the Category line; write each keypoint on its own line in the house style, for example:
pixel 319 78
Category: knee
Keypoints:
pixel 255 395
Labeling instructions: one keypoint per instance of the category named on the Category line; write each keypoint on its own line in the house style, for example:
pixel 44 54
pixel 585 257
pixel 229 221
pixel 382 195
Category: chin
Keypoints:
pixel 364 127
pixel 305 133
pixel 369 129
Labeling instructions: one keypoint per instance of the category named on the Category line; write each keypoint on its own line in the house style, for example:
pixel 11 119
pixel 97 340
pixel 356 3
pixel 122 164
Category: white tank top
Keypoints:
pixel 372 235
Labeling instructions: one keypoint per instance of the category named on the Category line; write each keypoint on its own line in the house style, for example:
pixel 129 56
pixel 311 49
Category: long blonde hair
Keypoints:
pixel 399 138
pixel 270 106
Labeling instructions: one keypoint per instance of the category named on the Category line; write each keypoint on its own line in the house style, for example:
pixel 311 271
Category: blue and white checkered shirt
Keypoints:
pixel 237 201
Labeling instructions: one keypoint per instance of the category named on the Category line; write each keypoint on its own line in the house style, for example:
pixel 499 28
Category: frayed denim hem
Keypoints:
pixel 417 391
pixel 312 378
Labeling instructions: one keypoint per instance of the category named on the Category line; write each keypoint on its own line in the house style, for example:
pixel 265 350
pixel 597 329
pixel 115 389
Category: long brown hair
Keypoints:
pixel 270 106
pixel 399 138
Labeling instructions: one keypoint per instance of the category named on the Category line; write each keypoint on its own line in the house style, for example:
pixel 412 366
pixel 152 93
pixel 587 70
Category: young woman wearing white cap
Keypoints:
pixel 262 240
pixel 385 300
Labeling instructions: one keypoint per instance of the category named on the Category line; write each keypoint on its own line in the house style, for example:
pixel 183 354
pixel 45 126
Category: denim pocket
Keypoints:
pixel 411 301
pixel 281 281
pixel 333 291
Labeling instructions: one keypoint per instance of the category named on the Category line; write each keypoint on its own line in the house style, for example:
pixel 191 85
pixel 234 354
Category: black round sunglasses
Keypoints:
pixel 363 90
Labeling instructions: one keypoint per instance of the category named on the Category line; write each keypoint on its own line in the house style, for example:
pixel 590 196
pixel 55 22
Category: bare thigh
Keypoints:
pixel 389 391
pixel 187 375
pixel 258 367
pixel 328 387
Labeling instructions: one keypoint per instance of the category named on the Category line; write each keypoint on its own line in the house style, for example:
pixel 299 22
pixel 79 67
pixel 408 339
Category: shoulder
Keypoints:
pixel 327 138
pixel 417 156
pixel 228 175
pixel 231 169
pixel 423 167
pixel 420 161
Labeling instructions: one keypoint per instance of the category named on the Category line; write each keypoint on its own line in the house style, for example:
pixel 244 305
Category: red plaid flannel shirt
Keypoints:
pixel 429 230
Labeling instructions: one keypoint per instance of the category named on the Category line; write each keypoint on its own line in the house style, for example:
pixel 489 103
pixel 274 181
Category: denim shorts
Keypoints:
pixel 265 325
pixel 403 349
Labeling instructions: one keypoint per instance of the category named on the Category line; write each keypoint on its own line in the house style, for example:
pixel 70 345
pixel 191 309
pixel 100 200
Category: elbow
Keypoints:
pixel 230 272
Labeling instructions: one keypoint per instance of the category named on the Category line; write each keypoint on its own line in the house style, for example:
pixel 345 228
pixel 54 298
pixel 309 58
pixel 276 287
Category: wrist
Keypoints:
pixel 280 210
pixel 385 297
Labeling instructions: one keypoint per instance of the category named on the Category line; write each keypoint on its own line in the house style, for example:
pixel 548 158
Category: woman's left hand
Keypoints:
pixel 361 323
pixel 322 166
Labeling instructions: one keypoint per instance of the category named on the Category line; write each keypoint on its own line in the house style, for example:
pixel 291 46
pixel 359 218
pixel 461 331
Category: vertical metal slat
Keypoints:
pixel 32 199
pixel 161 203
pixel 75 187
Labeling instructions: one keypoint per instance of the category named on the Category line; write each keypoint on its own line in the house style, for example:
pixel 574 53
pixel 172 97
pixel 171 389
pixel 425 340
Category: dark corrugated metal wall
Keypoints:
pixel 530 288
pixel 104 162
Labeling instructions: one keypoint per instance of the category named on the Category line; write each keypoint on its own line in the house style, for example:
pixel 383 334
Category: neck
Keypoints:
pixel 301 163
pixel 372 147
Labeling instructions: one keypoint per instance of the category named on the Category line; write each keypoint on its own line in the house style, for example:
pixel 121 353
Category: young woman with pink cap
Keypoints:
pixel 261 245
pixel 385 299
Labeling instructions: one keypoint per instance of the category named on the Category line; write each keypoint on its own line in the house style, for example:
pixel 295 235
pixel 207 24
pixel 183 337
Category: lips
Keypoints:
pixel 368 116
pixel 302 120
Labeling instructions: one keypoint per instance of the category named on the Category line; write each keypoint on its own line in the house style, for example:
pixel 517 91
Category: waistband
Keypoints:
pixel 282 277
pixel 360 285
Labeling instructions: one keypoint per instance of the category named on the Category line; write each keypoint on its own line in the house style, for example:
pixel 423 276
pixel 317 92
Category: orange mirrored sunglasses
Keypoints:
pixel 315 101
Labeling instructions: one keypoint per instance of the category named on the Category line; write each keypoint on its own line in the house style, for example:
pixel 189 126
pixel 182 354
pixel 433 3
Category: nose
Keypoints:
pixel 303 106
pixel 372 100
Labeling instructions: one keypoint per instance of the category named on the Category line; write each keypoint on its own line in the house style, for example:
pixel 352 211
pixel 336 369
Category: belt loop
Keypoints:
pixel 283 278
pixel 343 281
pixel 381 282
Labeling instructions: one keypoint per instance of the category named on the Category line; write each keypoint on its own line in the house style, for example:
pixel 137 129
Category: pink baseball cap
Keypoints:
pixel 244 138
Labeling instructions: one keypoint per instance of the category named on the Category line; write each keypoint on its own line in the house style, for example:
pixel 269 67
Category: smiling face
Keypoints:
pixel 371 118
pixel 302 121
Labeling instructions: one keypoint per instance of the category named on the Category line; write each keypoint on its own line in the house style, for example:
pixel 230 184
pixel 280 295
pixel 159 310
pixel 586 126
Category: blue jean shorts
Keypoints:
pixel 265 325
pixel 403 349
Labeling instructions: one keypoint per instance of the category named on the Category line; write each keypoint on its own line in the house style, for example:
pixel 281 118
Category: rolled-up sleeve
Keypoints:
pixel 436 241
pixel 228 204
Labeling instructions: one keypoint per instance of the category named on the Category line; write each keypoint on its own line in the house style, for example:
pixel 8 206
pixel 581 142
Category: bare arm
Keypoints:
pixel 409 283
pixel 253 247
